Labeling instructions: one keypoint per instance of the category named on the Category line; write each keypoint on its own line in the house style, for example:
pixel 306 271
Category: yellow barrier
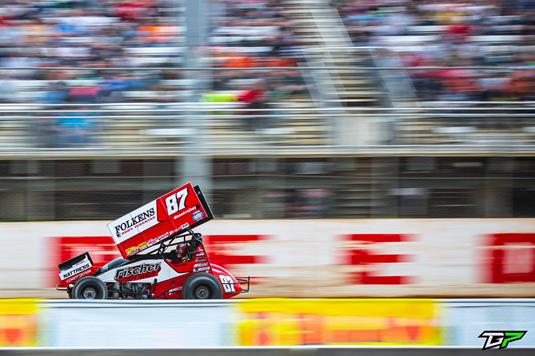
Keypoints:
pixel 339 322
pixel 18 322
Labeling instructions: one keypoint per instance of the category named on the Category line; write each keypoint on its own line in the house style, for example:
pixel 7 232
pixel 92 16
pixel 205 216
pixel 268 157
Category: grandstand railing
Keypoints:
pixel 111 126
pixel 233 127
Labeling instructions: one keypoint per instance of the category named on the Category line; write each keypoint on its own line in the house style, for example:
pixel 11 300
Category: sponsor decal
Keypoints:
pixel 79 267
pixel 132 273
pixel 198 215
pixel 189 210
pixel 75 271
pixel 135 249
pixel 382 322
pixel 132 224
pixel 155 240
pixel 131 250
pixel 74 278
pixel 201 262
pixel 500 339
pixel 175 290
pixel 184 226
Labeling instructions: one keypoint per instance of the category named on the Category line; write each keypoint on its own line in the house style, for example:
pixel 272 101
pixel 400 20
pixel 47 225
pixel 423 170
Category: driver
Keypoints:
pixel 177 255
pixel 181 252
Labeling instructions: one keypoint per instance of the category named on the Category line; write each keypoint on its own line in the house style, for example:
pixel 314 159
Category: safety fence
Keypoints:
pixel 262 322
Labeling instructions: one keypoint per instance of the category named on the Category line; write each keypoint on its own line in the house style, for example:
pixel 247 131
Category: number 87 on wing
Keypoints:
pixel 176 201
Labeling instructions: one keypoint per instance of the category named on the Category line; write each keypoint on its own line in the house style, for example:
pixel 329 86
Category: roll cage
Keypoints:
pixel 159 250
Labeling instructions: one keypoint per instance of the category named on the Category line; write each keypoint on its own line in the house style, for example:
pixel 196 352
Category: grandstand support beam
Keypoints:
pixel 334 49
pixel 195 166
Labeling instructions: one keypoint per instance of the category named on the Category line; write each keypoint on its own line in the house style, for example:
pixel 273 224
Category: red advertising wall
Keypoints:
pixel 329 258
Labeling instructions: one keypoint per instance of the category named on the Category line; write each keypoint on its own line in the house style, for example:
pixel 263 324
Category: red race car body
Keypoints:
pixel 163 257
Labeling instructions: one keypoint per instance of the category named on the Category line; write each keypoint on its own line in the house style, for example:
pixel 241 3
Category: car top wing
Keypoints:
pixel 181 209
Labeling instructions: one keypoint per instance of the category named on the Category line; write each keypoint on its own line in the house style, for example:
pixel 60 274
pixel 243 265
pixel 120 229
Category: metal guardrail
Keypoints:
pixel 234 128
pixel 113 126
pixel 521 150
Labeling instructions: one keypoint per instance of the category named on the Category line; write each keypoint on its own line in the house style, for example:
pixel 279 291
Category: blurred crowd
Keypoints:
pixel 87 34
pixel 136 34
pixel 99 35
pixel 250 34
pixel 444 33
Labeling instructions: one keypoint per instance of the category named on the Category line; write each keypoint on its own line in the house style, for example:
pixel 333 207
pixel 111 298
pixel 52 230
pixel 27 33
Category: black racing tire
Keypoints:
pixel 202 286
pixel 90 288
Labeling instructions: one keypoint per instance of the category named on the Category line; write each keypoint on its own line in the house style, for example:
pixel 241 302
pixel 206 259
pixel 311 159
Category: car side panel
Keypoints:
pixel 143 271
pixel 231 287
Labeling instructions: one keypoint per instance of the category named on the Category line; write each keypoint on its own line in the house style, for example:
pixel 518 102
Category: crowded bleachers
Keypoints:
pixel 248 35
pixel 447 33
pixel 111 73
pixel 87 34
pixel 101 35
pixel 105 34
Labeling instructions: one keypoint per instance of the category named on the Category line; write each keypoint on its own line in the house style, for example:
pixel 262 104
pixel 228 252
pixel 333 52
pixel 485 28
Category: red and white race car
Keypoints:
pixel 162 257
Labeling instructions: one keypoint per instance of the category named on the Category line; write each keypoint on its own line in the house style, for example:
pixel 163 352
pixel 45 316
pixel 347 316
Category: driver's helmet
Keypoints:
pixel 181 250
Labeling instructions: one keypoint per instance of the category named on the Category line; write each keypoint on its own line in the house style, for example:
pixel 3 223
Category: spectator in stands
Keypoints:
pixel 56 93
pixel 254 98
pixel 87 93
pixel 74 129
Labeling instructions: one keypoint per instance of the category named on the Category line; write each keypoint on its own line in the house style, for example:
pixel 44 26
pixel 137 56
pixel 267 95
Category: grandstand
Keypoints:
pixel 298 108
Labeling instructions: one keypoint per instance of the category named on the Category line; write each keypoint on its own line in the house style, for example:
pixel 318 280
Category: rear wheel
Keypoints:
pixel 90 288
pixel 202 286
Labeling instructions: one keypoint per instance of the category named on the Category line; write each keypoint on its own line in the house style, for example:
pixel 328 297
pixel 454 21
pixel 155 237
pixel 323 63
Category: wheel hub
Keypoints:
pixel 89 293
pixel 202 292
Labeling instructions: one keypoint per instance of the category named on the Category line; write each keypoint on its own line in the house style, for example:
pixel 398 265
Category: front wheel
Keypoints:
pixel 89 288
pixel 202 286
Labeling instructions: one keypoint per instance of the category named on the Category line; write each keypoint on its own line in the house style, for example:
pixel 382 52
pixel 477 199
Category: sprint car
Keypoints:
pixel 162 258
